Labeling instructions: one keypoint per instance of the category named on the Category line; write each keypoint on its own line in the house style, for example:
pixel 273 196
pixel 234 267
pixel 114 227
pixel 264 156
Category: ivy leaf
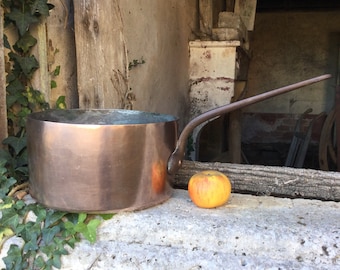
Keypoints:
pixel 26 42
pixel 22 20
pixel 49 233
pixel 53 217
pixel 60 103
pixel 31 245
pixel 56 262
pixel 5 179
pixel 39 262
pixel 10 218
pixel 14 258
pixel 30 233
pixel 4 158
pixel 88 230
pixel 20 204
pixel 6 184
pixel 81 218
pixel 56 72
pixel 16 98
pixel 4 232
pixel 27 64
pixel 53 84
pixel 91 232
pixel 72 217
pixel 40 212
pixel 60 246
pixel 16 143
pixel 80 227
pixel 6 43
pixel 22 161
pixel 106 216
pixel 15 87
pixel 40 7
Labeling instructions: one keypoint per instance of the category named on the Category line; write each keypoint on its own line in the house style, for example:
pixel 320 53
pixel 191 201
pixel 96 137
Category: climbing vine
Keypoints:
pixel 43 233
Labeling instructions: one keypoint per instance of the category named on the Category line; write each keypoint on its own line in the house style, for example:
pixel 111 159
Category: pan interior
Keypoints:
pixel 102 117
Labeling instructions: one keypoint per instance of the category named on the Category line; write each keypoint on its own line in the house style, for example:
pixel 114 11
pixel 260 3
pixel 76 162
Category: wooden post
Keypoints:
pixel 102 64
pixel 234 138
pixel 337 125
pixel 44 79
pixel 337 114
pixel 61 52
pixel 3 108
pixel 247 10
pixel 206 17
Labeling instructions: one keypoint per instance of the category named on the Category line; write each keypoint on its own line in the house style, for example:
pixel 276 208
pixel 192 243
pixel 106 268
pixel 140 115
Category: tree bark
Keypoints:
pixel 269 180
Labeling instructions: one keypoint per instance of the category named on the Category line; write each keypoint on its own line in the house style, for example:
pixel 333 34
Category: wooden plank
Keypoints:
pixel 61 52
pixel 337 125
pixel 3 108
pixel 269 180
pixel 206 17
pixel 337 113
pixel 102 64
pixel 43 76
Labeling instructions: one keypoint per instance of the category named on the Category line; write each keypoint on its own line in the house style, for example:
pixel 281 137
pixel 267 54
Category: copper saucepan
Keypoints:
pixel 100 161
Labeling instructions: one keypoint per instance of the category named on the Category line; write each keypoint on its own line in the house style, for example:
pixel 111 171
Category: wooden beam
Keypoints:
pixel 247 10
pixel 44 76
pixel 61 51
pixel 3 108
pixel 234 136
pixel 269 180
pixel 206 17
pixel 102 63
pixel 337 125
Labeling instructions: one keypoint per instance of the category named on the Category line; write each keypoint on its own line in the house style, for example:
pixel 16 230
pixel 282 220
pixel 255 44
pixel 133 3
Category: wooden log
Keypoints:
pixel 269 180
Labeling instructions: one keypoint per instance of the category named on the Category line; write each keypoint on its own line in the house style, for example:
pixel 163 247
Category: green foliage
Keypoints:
pixel 45 236
pixel 61 103
pixel 6 181
pixel 15 158
pixel 45 232
pixel 22 98
pixel 88 230
pixel 136 62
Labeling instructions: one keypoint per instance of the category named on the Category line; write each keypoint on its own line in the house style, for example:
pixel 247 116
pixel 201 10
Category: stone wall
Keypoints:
pixel 288 47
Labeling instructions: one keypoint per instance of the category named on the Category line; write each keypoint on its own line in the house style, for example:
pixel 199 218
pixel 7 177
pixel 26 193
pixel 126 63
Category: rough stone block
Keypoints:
pixel 230 27
pixel 229 34
pixel 230 20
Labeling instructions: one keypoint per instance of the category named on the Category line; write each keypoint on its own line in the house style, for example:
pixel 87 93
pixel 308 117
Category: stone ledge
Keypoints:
pixel 249 232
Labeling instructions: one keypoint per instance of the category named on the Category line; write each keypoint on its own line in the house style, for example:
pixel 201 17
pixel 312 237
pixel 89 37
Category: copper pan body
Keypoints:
pixel 100 161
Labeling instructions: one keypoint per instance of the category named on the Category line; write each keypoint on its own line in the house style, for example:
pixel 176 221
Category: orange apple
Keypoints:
pixel 209 189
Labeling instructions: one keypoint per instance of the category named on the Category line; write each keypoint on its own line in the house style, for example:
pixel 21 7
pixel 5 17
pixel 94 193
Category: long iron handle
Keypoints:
pixel 176 158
